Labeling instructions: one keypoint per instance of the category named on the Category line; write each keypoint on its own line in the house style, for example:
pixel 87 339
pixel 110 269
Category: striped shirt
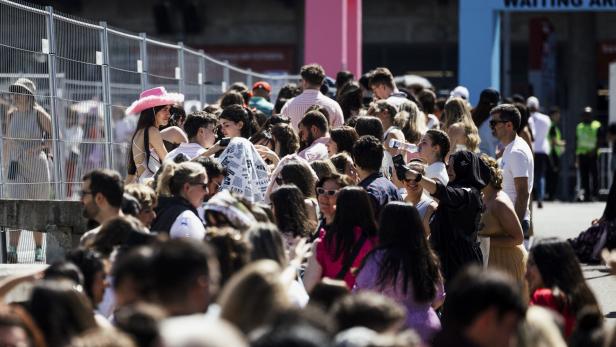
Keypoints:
pixel 296 107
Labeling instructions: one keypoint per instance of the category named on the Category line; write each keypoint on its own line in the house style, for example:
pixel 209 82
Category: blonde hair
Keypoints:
pixel 496 174
pixel 144 194
pixel 254 296
pixel 411 121
pixel 471 135
pixel 174 176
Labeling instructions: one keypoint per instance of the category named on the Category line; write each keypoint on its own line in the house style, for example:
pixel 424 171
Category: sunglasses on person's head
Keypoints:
pixel 322 191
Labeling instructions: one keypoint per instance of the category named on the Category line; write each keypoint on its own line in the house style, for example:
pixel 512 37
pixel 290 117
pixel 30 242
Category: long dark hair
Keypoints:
pixel 60 311
pixel 406 252
pixel 353 209
pixel 146 120
pixel 559 268
pixel 290 211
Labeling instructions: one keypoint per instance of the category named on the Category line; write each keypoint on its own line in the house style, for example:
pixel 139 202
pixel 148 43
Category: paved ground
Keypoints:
pixel 566 220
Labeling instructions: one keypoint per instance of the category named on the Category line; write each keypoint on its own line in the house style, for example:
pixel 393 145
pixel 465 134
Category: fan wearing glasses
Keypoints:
pixel 181 190
pixel 327 192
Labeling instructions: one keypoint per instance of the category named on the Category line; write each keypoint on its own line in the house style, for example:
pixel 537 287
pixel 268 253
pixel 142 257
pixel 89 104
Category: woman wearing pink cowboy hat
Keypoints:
pixel 147 148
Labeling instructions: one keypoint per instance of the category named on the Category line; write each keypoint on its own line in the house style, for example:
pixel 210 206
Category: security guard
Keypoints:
pixel 587 138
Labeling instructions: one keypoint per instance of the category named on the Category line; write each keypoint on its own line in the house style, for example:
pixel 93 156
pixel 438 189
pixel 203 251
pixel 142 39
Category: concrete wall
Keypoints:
pixel 61 220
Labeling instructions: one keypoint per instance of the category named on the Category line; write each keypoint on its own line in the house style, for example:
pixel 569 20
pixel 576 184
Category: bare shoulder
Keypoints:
pixel 502 201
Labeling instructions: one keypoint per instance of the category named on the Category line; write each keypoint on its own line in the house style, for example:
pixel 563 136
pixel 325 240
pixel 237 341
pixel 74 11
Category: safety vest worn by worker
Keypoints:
pixel 587 136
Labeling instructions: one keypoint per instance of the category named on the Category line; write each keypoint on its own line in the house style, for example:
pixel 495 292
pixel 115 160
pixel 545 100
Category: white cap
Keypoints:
pixel 532 102
pixel 460 92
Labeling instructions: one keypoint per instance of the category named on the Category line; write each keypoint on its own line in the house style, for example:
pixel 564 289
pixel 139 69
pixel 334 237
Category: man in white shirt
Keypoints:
pixel 383 87
pixel 313 135
pixel 313 76
pixel 200 127
pixel 539 124
pixel 516 162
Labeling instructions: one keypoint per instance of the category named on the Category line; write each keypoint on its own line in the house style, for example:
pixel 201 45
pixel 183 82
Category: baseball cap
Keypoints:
pixel 460 92
pixel 262 85
pixel 532 102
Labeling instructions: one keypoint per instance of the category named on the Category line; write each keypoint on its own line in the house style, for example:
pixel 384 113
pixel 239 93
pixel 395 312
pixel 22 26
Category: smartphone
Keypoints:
pixel 224 142
pixel 400 166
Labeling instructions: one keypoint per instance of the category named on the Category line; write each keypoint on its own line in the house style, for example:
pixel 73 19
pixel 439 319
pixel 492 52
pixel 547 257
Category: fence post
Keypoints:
pixel 249 79
pixel 143 57
pixel 201 79
pixel 106 96
pixel 225 77
pixel 55 124
pixel 181 76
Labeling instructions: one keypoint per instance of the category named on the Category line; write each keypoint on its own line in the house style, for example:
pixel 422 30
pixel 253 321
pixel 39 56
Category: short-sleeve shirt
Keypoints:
pixel 191 150
pixel 517 161
pixel 437 171
pixel 296 107
pixel 540 126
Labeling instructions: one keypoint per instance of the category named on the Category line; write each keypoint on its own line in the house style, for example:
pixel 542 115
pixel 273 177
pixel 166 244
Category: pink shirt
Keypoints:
pixel 296 107
pixel 316 151
pixel 331 267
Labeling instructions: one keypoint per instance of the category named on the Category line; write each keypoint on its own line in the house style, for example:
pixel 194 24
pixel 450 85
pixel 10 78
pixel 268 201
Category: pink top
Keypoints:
pixel 296 107
pixel 331 267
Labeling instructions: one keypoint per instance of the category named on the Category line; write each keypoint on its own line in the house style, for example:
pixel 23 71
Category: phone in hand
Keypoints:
pixel 400 166
pixel 224 142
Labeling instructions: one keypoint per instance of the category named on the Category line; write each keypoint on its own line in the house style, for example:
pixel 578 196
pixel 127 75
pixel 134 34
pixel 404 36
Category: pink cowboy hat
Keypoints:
pixel 154 97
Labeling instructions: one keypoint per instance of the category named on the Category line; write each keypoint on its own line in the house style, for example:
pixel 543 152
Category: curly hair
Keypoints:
pixel 496 174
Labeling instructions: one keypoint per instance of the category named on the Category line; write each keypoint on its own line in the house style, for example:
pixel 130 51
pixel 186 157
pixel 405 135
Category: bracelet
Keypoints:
pixel 418 177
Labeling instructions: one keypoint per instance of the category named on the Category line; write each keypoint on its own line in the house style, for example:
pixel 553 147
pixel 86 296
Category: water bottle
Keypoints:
pixel 184 230
pixel 409 147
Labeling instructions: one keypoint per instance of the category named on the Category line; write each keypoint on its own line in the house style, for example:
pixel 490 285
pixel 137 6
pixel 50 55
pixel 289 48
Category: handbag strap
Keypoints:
pixel 349 261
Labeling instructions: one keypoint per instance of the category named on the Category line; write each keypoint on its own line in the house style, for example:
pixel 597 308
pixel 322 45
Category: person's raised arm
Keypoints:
pixel 521 201
pixel 508 220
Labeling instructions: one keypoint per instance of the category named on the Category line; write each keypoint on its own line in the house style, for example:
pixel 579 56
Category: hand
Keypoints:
pixel 267 154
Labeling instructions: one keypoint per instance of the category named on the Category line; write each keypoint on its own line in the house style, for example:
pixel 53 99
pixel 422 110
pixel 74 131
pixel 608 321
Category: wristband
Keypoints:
pixel 418 177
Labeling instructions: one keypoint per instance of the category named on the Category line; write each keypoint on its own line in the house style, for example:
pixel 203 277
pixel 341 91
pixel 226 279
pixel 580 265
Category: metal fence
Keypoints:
pixel 85 74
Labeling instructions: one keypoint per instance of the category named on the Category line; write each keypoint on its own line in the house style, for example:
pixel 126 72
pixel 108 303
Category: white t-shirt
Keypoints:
pixel 539 124
pixel 437 171
pixel 433 122
pixel 191 150
pixel 187 224
pixel 517 161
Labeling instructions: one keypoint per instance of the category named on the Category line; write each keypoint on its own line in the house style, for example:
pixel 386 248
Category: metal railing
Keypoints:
pixel 85 75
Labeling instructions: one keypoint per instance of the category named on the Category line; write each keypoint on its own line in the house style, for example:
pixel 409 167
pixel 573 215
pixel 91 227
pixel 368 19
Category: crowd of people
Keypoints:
pixel 372 216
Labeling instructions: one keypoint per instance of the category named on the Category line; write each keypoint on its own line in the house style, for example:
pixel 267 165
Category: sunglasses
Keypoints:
pixel 203 185
pixel 494 122
pixel 322 191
